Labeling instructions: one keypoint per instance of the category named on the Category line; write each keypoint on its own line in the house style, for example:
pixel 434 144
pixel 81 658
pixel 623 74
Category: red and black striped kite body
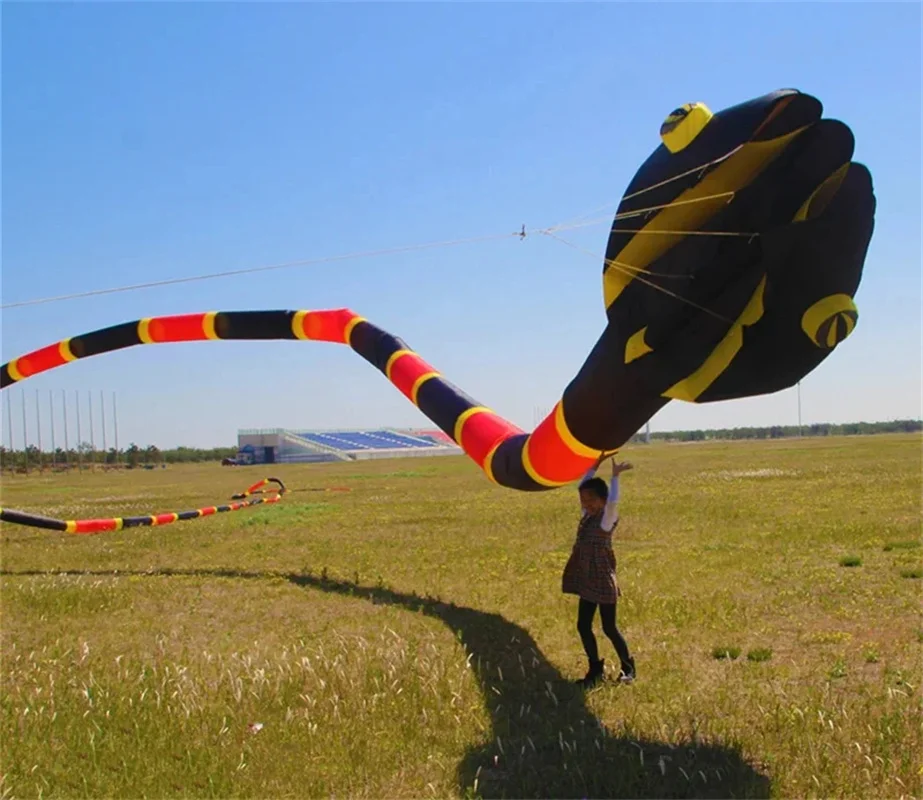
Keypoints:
pixel 86 526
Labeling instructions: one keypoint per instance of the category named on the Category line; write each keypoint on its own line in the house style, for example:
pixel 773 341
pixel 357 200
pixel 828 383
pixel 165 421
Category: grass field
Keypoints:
pixel 409 637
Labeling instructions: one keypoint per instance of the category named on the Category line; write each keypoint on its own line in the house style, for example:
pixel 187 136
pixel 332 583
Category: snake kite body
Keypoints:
pixel 88 526
pixel 730 272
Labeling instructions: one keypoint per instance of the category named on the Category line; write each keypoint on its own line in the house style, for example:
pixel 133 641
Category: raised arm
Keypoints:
pixel 591 472
pixel 611 512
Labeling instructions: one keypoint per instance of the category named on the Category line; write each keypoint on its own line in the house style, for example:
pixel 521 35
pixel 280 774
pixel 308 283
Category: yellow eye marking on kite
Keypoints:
pixel 681 127
pixel 830 320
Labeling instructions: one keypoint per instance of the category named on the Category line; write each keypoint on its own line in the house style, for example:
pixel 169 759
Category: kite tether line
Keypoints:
pixel 246 499
pixel 579 222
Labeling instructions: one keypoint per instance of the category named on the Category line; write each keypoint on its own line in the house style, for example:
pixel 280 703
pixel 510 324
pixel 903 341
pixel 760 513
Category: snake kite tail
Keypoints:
pixel 90 526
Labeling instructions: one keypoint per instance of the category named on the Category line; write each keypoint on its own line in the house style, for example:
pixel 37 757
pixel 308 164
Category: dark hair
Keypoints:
pixel 596 486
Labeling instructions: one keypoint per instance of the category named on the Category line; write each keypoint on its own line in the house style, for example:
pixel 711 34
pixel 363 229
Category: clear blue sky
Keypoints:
pixel 153 141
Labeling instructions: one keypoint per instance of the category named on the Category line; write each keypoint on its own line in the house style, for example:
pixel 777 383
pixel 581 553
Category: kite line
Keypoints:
pixel 578 222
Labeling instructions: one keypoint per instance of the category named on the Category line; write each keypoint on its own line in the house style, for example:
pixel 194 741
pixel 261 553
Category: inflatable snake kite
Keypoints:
pixel 730 272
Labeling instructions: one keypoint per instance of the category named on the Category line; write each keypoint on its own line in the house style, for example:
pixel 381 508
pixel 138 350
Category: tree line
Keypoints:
pixel 134 456
pixel 86 456
pixel 786 431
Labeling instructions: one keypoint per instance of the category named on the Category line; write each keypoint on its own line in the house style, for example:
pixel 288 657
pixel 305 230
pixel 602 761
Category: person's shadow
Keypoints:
pixel 544 741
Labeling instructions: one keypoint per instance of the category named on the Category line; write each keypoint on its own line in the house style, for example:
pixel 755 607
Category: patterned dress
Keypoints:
pixel 590 570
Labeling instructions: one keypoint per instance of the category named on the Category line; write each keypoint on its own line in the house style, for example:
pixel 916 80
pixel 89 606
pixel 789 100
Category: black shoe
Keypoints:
pixel 594 674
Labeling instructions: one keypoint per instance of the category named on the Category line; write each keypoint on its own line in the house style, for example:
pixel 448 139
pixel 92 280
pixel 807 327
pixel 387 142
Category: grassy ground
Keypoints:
pixel 409 638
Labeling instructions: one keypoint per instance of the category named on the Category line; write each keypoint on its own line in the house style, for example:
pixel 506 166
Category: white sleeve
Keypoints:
pixel 611 514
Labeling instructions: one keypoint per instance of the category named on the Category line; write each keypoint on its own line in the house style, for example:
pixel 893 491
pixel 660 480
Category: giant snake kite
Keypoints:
pixel 730 272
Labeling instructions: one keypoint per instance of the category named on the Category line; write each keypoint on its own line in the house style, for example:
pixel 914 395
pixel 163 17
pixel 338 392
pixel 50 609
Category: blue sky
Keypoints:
pixel 144 142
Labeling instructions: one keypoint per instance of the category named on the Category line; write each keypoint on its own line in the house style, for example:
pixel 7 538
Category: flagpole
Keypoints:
pixel 79 437
pixel 92 438
pixel 38 423
pixel 115 421
pixel 25 437
pixel 54 457
pixel 67 447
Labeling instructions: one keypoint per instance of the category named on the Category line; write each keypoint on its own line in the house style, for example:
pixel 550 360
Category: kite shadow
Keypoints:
pixel 545 741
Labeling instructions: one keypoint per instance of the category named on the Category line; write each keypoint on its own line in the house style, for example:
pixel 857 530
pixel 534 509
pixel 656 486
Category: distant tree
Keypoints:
pixel 133 455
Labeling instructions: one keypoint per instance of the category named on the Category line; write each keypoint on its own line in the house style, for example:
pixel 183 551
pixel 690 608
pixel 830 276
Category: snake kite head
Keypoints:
pixel 737 249
pixel 731 265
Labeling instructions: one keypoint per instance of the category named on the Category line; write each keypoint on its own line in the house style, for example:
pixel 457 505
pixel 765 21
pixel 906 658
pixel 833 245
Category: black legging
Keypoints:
pixel 585 613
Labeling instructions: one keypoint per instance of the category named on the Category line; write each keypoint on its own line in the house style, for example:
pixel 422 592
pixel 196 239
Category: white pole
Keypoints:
pixel 92 439
pixel 25 438
pixel 54 457
pixel 9 419
pixel 79 438
pixel 102 414
pixel 67 447
pixel 38 423
pixel 115 420
pixel 9 429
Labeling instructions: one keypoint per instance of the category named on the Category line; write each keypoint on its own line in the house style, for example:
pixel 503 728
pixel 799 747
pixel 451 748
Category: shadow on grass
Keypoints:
pixel 545 741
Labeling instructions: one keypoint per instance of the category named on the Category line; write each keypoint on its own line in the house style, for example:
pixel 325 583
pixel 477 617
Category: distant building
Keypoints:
pixel 283 446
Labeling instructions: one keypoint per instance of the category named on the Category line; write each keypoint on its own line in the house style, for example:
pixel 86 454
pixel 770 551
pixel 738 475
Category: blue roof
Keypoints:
pixel 367 440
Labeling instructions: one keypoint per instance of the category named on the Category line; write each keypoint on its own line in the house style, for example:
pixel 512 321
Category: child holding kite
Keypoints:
pixel 590 571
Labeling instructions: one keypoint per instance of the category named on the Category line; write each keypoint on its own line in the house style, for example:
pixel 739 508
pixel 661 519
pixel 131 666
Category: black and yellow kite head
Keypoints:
pixel 732 262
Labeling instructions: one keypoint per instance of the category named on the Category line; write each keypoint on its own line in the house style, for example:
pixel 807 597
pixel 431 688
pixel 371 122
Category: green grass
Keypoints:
pixel 758 654
pixel 870 653
pixel 850 561
pixel 839 669
pixel 409 638
pixel 910 544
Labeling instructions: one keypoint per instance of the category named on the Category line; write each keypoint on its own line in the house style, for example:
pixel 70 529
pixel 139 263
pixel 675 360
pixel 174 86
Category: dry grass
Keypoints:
pixel 409 638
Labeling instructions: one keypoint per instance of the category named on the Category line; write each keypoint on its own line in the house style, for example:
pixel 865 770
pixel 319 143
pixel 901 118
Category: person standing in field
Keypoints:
pixel 590 571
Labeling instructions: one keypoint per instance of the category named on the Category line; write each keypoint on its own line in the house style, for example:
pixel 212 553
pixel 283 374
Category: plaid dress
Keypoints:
pixel 590 570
